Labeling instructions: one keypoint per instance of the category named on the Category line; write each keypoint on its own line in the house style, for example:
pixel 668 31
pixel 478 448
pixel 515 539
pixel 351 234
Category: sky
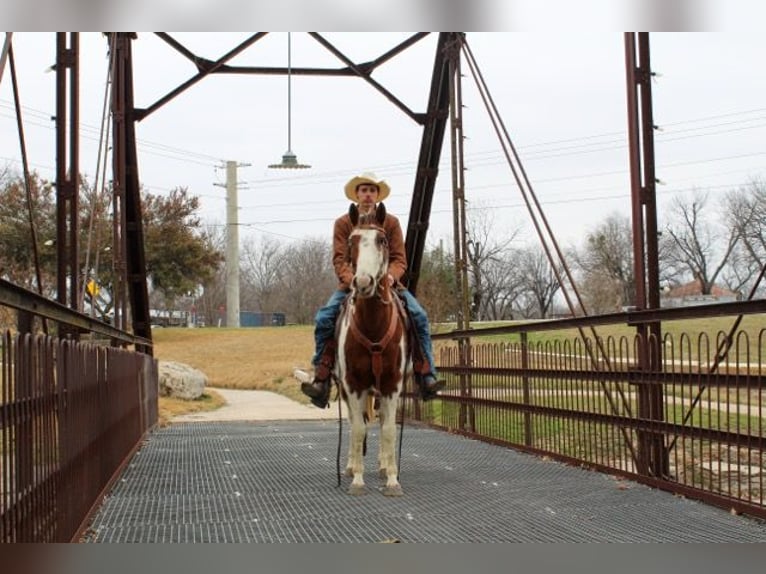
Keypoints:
pixel 561 94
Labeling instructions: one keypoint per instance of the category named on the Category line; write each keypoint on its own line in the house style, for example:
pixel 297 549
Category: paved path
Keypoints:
pixel 258 406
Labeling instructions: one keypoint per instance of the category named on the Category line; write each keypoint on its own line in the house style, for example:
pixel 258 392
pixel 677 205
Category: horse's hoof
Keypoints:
pixel 357 490
pixel 395 490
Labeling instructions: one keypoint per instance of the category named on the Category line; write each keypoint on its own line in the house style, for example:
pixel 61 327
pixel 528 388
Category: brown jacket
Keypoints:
pixel 397 259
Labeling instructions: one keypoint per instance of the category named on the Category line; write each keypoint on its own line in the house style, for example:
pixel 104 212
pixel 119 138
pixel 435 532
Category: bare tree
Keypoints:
pixel 605 263
pixel 746 212
pixel 306 280
pixel 212 301
pixel 484 250
pixel 694 243
pixel 538 281
pixel 261 269
pixel 502 287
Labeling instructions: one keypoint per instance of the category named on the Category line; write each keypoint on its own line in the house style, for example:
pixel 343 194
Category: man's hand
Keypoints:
pixel 391 280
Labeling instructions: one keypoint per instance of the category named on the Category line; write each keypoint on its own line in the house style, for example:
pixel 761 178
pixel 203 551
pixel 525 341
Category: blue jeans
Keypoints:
pixel 326 317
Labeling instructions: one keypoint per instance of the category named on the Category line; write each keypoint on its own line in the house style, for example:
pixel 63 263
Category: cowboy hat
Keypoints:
pixel 383 189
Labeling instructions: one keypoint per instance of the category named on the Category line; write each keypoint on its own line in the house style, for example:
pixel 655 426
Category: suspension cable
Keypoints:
pixel 527 192
pixel 4 53
pixel 27 178
pixel 98 193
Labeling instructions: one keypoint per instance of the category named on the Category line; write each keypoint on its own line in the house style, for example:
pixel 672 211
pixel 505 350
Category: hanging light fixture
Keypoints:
pixel 289 159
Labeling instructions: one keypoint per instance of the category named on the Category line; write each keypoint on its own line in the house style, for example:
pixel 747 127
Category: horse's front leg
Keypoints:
pixel 358 432
pixel 387 457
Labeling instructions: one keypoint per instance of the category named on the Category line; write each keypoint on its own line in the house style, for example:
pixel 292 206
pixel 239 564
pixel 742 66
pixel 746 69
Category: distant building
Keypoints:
pixel 165 318
pixel 690 294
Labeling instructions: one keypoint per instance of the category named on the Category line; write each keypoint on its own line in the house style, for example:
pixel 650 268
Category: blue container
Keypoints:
pixel 254 319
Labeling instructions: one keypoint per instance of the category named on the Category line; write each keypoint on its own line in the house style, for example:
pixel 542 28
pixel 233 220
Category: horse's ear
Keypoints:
pixel 353 213
pixel 380 213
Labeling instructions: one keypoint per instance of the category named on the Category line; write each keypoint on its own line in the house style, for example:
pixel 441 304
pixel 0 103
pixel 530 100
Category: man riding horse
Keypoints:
pixel 367 191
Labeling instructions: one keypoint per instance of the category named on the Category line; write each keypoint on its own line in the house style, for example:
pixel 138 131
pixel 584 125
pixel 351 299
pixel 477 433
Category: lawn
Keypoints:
pixel 261 358
pixel 702 333
pixel 264 358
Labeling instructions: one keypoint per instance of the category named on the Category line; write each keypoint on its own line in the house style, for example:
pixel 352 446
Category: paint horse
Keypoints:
pixel 372 349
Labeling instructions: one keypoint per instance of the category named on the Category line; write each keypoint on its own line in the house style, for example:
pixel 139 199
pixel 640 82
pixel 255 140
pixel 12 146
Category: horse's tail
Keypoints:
pixel 370 405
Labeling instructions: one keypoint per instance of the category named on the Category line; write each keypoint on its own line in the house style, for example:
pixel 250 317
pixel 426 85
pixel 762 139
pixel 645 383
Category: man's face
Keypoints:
pixel 367 196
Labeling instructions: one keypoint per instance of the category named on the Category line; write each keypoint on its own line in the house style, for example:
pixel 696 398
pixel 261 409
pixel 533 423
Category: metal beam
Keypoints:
pixel 140 114
pixel 130 258
pixel 365 74
pixel 67 166
pixel 24 300
pixel 429 157
pixel 138 293
pixel 653 458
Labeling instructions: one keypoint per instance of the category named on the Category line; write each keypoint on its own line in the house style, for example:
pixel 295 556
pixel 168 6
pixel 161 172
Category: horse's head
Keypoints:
pixel 368 251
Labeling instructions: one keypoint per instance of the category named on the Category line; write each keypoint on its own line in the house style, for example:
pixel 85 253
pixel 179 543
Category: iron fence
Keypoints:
pixel 71 413
pixel 682 412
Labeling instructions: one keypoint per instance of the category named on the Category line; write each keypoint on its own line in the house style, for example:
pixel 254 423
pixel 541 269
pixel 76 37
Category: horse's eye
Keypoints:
pixel 382 241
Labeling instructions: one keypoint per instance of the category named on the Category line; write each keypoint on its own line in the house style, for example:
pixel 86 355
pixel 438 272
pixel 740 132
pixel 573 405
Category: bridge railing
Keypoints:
pixel 685 411
pixel 72 412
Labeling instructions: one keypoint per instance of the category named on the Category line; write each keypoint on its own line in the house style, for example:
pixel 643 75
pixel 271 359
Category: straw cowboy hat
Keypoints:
pixel 383 189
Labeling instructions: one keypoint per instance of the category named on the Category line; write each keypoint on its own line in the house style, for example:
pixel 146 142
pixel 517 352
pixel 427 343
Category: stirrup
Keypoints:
pixel 321 402
pixel 427 394
pixel 319 398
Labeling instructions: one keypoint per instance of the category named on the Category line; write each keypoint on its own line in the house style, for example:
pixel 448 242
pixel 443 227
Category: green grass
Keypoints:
pixel 587 440
pixel 707 329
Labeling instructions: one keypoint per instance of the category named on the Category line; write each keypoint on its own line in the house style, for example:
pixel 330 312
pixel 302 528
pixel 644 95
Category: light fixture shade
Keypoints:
pixel 289 161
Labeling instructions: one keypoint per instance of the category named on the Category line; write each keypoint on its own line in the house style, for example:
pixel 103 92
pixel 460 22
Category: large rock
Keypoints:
pixel 180 380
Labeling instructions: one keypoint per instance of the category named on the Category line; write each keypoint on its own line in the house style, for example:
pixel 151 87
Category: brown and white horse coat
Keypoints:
pixel 372 350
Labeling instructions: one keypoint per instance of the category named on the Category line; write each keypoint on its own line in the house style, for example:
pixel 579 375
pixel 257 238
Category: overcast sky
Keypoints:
pixel 562 96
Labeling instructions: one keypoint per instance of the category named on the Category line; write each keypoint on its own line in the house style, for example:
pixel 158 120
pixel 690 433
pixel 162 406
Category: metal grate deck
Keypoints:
pixel 275 482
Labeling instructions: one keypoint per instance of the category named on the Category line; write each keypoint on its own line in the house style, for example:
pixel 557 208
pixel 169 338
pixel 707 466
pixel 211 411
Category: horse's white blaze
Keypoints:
pixel 371 262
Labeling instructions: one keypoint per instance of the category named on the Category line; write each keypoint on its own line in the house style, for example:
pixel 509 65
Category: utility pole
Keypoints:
pixel 232 244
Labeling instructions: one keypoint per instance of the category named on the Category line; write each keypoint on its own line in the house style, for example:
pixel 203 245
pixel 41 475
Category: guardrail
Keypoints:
pixel 684 411
pixel 71 414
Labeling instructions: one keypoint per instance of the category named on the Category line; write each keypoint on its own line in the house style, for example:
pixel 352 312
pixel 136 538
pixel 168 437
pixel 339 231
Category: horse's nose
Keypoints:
pixel 364 285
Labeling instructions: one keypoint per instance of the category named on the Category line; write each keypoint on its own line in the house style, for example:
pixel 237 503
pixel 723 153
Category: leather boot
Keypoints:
pixel 318 390
pixel 429 386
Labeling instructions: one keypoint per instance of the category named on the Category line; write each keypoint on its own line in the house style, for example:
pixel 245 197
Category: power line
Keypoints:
pixel 482 158
pixel 550 201
pixel 553 148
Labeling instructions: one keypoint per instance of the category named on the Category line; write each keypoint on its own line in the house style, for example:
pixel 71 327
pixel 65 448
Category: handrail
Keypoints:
pixel 629 318
pixel 16 297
